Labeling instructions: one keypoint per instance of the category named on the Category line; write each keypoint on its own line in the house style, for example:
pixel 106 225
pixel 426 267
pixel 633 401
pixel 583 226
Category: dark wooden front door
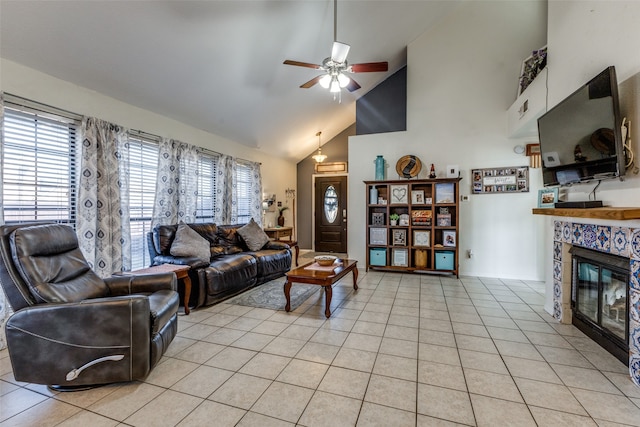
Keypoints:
pixel 331 214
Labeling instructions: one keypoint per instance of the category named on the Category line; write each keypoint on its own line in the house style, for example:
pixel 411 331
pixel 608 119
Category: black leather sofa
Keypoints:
pixel 232 268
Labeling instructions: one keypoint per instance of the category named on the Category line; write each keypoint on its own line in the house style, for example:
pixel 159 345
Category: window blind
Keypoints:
pixel 206 198
pixel 243 193
pixel 143 171
pixel 39 164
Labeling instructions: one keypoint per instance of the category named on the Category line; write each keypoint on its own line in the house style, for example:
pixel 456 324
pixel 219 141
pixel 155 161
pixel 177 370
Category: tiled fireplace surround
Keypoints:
pixel 622 241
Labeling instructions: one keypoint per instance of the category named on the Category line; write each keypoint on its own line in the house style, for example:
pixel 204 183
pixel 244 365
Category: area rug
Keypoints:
pixel 271 295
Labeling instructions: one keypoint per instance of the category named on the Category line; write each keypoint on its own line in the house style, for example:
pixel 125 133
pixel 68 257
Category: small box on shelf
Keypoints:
pixel 378 256
pixel 444 260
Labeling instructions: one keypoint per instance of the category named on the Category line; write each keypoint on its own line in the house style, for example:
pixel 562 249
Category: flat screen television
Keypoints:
pixel 581 138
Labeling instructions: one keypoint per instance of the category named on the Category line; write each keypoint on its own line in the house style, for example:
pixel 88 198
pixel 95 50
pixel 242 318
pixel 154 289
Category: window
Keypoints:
pixel 143 170
pixel 243 192
pixel 206 199
pixel 39 165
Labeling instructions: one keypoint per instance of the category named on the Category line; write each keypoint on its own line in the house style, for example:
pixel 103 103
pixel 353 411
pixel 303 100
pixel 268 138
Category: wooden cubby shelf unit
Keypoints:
pixel 426 237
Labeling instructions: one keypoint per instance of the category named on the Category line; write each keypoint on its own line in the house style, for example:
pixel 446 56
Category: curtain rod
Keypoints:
pixel 208 150
pixel 25 102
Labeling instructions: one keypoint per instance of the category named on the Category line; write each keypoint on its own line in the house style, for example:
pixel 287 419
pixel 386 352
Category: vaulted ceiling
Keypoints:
pixel 218 65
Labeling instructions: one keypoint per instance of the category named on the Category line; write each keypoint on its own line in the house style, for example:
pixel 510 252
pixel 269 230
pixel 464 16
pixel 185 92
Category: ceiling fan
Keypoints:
pixel 336 65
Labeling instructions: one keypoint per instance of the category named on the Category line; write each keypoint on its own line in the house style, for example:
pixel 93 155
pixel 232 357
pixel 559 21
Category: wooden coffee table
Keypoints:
pixel 181 272
pixel 324 278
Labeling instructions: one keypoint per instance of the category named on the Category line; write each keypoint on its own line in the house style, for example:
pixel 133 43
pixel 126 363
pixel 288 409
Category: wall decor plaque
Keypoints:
pixel 514 179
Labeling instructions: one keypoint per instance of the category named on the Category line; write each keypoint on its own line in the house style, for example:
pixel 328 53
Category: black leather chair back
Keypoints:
pixel 50 262
pixel 15 288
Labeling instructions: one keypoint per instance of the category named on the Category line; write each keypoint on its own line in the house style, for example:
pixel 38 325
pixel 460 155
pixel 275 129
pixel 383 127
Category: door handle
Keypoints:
pixel 344 215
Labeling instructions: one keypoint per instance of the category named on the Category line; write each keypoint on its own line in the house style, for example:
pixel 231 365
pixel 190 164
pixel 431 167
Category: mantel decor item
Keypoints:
pixel 379 168
pixel 514 179
pixel 547 197
pixel 408 166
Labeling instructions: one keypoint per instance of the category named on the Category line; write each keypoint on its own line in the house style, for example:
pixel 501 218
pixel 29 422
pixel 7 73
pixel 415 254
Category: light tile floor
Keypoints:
pixel 404 350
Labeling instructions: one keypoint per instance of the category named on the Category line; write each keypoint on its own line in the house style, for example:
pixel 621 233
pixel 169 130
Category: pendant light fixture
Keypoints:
pixel 319 157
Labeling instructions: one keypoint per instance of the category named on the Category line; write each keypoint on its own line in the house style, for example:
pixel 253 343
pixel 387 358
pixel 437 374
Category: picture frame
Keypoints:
pixel 378 236
pixel 444 220
pixel 453 171
pixel 533 149
pixel 449 238
pixel 445 192
pixel 510 179
pixel 422 238
pixel 399 237
pixel 417 197
pixel 547 197
pixel 399 194
pixel 400 258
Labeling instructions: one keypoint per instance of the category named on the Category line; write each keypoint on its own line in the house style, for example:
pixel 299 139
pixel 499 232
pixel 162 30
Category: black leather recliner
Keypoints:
pixel 70 327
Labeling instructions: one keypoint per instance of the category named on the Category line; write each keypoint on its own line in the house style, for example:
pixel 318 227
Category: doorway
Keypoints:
pixel 330 213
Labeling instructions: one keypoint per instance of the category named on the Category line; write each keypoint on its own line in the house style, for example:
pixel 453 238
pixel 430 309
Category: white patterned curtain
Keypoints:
pixel 226 203
pixel 177 183
pixel 255 191
pixel 103 208
pixel 227 189
pixel 4 312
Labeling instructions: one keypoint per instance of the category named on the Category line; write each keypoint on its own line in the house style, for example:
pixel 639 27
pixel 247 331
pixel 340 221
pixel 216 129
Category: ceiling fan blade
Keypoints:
pixel 339 52
pixel 369 67
pixel 302 64
pixel 353 85
pixel 311 82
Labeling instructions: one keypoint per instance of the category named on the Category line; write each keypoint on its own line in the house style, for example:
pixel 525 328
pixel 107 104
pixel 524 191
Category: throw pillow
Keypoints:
pixel 189 243
pixel 254 236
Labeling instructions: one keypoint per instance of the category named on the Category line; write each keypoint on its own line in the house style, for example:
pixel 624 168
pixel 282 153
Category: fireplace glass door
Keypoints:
pixel 601 297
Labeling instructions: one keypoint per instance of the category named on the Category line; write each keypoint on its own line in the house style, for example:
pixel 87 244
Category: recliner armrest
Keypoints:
pixel 46 342
pixel 129 284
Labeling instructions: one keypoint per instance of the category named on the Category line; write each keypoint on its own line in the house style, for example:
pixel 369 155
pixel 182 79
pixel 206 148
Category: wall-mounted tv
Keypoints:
pixel 581 138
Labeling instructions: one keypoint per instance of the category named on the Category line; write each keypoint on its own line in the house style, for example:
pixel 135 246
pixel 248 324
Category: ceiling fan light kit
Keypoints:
pixel 336 65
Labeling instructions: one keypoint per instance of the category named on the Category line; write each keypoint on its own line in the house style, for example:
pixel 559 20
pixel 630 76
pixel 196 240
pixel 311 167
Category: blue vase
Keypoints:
pixel 379 168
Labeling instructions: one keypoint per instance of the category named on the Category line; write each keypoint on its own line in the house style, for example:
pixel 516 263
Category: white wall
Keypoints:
pixel 462 78
pixel 585 37
pixel 277 174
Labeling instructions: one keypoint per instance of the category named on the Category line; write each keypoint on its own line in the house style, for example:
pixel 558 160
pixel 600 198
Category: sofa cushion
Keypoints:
pixel 188 243
pixel 272 261
pixel 230 240
pixel 230 273
pixel 254 237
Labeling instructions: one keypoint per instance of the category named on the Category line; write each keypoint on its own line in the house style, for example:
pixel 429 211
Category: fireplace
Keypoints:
pixel 604 239
pixel 599 299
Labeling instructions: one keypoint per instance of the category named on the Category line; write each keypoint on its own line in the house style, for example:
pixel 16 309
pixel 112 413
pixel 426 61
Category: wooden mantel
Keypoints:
pixel 621 214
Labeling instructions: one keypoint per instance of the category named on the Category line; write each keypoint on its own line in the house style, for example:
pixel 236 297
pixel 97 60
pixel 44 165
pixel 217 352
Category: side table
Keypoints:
pixel 181 272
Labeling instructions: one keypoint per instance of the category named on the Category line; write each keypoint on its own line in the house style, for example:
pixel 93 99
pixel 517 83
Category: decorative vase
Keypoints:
pixel 393 221
pixel 281 220
pixel 379 168
pixel 373 196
